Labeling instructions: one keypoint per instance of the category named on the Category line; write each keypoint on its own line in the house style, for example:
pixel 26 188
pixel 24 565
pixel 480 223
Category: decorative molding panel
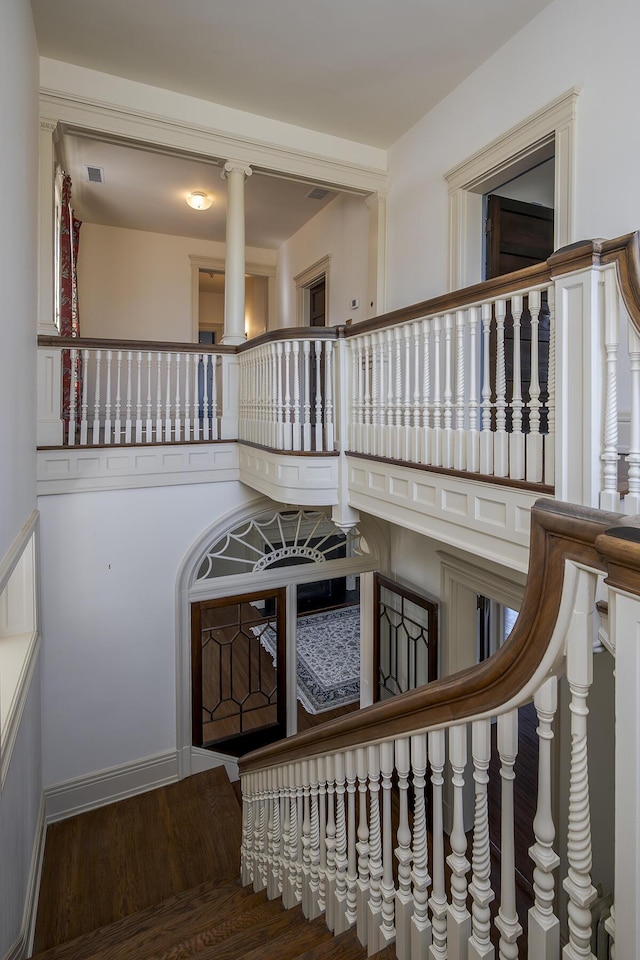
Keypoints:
pixel 82 469
pixel 107 786
pixel 304 481
pixel 489 520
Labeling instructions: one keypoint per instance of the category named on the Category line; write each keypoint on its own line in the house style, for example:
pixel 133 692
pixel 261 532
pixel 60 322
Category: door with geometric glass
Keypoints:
pixel 238 671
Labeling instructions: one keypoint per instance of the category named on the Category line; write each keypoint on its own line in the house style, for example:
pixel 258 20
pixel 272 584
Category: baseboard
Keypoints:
pixel 207 759
pixel 23 946
pixel 107 786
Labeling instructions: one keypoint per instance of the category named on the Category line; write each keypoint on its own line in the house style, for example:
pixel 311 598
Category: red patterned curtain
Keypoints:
pixel 69 317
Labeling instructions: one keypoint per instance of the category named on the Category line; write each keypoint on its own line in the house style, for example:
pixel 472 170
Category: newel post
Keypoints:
pixel 620 547
pixel 343 515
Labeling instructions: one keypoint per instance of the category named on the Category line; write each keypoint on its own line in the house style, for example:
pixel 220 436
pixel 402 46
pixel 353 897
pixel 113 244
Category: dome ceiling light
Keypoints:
pixel 199 200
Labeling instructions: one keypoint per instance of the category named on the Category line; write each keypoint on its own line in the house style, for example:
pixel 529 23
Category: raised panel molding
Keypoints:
pixel 83 469
pixel 303 481
pixel 490 520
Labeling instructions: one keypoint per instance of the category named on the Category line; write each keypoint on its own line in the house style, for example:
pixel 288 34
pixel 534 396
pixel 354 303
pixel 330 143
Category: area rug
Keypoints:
pixel 328 653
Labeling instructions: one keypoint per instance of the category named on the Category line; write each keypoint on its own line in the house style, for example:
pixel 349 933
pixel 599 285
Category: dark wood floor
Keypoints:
pixel 110 863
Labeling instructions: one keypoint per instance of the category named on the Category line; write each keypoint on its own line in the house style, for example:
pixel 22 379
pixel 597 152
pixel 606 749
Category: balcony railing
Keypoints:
pixel 518 380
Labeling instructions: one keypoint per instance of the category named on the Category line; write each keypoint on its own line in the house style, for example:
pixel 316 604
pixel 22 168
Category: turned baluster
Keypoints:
pixel 205 397
pixel 374 918
pixel 330 895
pixel 300 848
pixel 297 427
pixel 391 371
pixel 420 923
pixel 375 394
pixel 458 919
pixel 329 428
pixel 416 431
pixel 362 889
pixel 516 437
pixel 167 395
pixel 406 413
pixel 387 929
pixel 306 379
pixel 486 435
pixel 473 436
pixel 352 871
pixel 404 900
pixel 436 437
pixel 158 399
pixel 340 917
pixel 260 873
pixel 306 838
pixel 397 406
pixel 285 792
pixel 107 401
pixel 73 396
pixel 214 398
pixel 290 892
pixel 322 833
pixel 507 920
pixel 550 439
pixel 544 927
pixel 95 437
pixel 438 898
pixel 246 849
pixel 447 439
pixel 367 399
pixel 128 404
pixel 460 439
pixel 501 439
pixel 426 453
pixel 480 947
pixel 196 398
pixel 319 411
pixel 288 429
pixel 139 430
pixel 534 437
pixel 314 842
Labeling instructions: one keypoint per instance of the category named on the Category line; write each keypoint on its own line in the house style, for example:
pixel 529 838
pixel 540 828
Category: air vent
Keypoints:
pixel 318 193
pixel 95 174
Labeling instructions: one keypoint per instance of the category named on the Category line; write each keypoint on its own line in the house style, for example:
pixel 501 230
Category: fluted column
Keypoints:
pixel 235 173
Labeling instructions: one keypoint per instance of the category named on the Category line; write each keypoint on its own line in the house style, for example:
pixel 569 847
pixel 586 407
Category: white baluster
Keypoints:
pixel 397 361
pixel 158 399
pixel 376 405
pixel 550 439
pixel 260 869
pixel 438 898
pixel 447 438
pixel 407 406
pixel 289 891
pixel 473 436
pixel 306 430
pixel 632 499
pixel 354 429
pixel 139 398
pixel 381 431
pixel 177 419
pixel 285 789
pixel 426 446
pixel 534 437
pixel 319 410
pixel 436 437
pixel 507 920
pixel 96 400
pixel 328 396
pixel 246 854
pixel 340 916
pixel 352 869
pixel 501 439
pixel 330 895
pixel 288 428
pixel 205 397
pixel 84 423
pixel 367 400
pixel 363 886
pixel 107 401
pixel 279 401
pixel 117 427
pixel 579 676
pixel 196 397
pixel 610 927
pixel 460 445
pixel 273 838
pixel 167 400
pixel 300 850
pixel 486 436
pixel 214 397
pixel 544 927
pixel 297 427
pixel 387 929
pixel 420 923
pixel 404 899
pixel 73 397
pixel 391 373
pixel 322 834
pixel 458 919
pixel 128 402
pixel 148 428
pixel 609 496
pixel 306 839
pixel 374 917
pixel 516 437
pixel 417 432
pixel 187 397
pixel 480 947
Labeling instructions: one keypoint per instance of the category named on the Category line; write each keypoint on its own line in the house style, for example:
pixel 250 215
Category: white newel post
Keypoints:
pixel 343 515
pixel 235 173
pixel 50 425
pixel 230 390
pixel 623 553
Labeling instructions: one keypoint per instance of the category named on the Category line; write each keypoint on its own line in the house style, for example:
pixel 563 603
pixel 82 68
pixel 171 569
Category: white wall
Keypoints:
pixel 339 230
pixel 569 44
pixel 20 798
pixel 137 285
pixel 109 620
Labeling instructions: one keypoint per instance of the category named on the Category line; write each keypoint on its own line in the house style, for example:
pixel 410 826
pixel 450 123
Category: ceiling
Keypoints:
pixel 365 70
pixel 146 190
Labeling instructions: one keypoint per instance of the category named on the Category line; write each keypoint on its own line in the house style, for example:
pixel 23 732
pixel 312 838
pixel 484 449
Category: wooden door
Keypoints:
pixel 317 304
pixel 238 670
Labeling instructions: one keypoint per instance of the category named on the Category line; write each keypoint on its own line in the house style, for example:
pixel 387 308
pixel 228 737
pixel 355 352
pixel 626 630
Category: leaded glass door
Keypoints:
pixel 238 671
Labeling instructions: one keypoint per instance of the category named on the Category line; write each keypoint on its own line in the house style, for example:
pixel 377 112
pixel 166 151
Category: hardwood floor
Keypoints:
pixel 109 863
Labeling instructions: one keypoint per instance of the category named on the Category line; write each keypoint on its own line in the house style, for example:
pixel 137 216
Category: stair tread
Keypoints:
pixel 284 936
pixel 210 905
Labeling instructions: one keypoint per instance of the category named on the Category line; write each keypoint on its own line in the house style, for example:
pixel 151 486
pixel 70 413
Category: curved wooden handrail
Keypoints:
pixel 291 333
pixel 95 343
pixel 559 532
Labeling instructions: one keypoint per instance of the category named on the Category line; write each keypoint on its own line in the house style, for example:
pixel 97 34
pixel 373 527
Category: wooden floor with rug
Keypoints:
pixel 155 877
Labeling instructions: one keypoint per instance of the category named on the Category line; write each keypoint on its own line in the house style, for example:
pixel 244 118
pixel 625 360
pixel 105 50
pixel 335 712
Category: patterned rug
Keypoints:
pixel 328 648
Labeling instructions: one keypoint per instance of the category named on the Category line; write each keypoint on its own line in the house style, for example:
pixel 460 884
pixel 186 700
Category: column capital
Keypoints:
pixel 235 166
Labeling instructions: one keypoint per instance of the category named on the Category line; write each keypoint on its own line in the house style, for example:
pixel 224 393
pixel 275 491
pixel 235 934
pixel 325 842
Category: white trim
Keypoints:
pixel 202 760
pixel 16 709
pixel 83 469
pixel 17 548
pixel 93 115
pixel 303 481
pixel 96 789
pixel 504 156
pixel 23 947
pixel 218 264
pixel 306 279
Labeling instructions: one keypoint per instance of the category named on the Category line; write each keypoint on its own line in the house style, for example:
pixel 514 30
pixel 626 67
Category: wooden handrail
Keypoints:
pixel 292 333
pixel 95 343
pixel 559 532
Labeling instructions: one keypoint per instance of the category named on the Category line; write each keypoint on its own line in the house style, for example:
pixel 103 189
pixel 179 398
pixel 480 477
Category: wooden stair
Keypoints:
pixel 218 918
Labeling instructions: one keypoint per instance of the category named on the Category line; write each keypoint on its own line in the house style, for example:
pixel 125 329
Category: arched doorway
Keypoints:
pixel 268 580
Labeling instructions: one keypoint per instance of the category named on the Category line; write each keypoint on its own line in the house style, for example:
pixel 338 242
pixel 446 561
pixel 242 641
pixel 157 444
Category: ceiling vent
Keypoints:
pixel 318 193
pixel 95 174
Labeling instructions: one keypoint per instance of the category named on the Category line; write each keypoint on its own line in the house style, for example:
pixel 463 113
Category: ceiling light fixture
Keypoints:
pixel 199 200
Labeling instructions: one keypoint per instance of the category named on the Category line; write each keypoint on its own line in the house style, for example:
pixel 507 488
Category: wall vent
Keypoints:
pixel 318 193
pixel 95 174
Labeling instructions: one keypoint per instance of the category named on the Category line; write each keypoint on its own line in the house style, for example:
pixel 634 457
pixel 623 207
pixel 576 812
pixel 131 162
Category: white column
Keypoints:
pixel 46 280
pixel 376 304
pixel 234 172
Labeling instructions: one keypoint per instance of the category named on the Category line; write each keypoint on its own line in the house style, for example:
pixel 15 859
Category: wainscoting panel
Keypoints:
pixel 305 480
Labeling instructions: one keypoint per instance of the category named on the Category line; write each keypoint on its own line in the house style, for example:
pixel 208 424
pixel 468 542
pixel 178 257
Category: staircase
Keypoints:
pixel 216 918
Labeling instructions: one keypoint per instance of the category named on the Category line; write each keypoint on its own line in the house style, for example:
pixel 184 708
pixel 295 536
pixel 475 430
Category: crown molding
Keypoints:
pixel 125 123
